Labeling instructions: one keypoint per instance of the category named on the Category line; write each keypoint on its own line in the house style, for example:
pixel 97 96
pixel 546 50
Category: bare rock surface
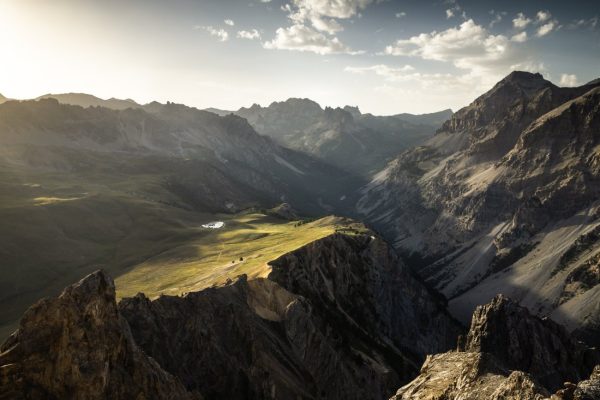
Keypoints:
pixel 504 190
pixel 78 346
pixel 509 354
pixel 340 318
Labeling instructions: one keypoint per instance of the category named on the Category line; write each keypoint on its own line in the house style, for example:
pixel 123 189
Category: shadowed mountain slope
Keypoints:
pixel 502 199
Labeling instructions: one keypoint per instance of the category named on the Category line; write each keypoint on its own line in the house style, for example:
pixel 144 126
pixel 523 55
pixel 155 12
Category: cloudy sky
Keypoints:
pixel 385 56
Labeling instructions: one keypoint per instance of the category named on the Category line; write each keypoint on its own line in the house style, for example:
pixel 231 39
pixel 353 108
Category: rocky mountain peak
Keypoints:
pixel 521 341
pixel 524 77
pixel 295 104
pixel 354 110
pixel 509 354
pixel 78 346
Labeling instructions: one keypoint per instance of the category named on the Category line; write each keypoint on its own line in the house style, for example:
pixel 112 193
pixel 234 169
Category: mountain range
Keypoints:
pixel 464 266
pixel 332 134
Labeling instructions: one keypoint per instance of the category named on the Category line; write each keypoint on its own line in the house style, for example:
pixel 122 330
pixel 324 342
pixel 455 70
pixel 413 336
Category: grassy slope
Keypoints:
pixel 216 255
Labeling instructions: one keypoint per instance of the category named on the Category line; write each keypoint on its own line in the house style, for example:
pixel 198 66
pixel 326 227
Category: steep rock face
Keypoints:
pixel 501 192
pixel 256 340
pixel 338 318
pixel 362 278
pixel 469 376
pixel 527 343
pixel 454 173
pixel 509 354
pixel 78 346
pixel 296 335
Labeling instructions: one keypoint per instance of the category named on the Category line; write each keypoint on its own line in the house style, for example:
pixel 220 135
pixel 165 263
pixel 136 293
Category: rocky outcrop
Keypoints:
pixel 341 318
pixel 509 354
pixel 588 389
pixel 521 341
pixel 78 346
pixel 362 278
pixel 469 376
pixel 253 339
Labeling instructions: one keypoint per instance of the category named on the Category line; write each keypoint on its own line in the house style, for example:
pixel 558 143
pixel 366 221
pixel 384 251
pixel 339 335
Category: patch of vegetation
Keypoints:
pixel 243 246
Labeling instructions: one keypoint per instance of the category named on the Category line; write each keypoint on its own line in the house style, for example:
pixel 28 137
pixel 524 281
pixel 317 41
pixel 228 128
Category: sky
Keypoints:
pixel 384 56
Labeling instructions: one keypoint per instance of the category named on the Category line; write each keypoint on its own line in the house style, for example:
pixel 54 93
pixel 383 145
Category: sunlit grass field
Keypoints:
pixel 243 246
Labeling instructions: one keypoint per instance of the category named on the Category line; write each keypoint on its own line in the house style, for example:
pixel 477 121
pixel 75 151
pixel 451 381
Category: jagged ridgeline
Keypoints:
pixel 340 318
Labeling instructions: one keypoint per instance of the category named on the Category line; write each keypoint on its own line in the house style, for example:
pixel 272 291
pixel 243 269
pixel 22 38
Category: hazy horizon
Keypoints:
pixel 386 57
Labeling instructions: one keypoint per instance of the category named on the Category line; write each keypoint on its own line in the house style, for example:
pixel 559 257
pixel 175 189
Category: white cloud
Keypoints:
pixel 542 16
pixel 221 34
pixel 521 21
pixel 302 38
pixel 546 29
pixel 485 58
pixel 441 89
pixel 333 8
pixel 452 11
pixel 519 37
pixel 250 35
pixel 328 25
pixel 568 80
pixel 469 46
pixel 323 14
pixel 400 14
pixel 229 22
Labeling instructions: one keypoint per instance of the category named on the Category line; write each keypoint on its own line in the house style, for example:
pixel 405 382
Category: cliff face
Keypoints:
pixel 78 346
pixel 256 340
pixel 362 278
pixel 524 342
pixel 502 192
pixel 340 318
pixel 509 354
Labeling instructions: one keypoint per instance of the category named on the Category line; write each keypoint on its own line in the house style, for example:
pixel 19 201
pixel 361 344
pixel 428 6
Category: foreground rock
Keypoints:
pixel 509 354
pixel 78 346
pixel 340 318
pixel 337 319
